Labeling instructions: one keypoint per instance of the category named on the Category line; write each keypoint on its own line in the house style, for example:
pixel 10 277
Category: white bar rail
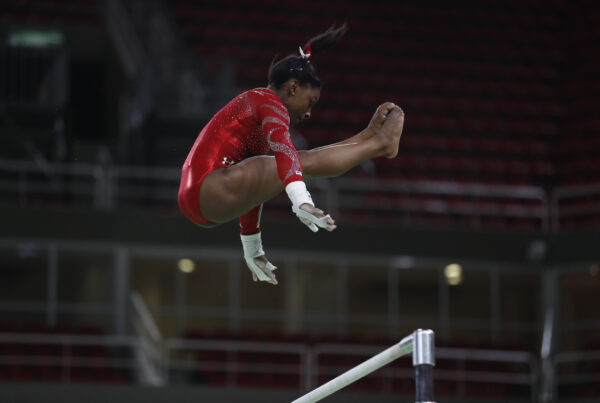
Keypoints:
pixel 420 343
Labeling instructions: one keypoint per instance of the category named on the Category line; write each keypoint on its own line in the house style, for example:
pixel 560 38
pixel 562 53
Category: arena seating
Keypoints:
pixel 579 377
pixel 483 84
pixel 579 148
pixel 50 362
pixel 50 12
pixel 459 73
pixel 494 92
pixel 397 377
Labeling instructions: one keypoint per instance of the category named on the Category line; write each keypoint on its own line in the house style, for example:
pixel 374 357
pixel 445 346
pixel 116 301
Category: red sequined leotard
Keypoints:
pixel 251 124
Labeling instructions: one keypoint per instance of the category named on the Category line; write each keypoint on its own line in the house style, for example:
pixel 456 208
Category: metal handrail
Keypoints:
pixel 106 184
pixel 566 192
pixel 72 339
pixel 174 344
pixel 64 360
pixel 309 369
pixel 449 353
pixel 110 183
pixel 307 366
pixel 572 357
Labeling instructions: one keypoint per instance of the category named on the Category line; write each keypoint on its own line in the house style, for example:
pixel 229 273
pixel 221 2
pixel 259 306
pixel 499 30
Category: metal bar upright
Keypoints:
pixel 423 361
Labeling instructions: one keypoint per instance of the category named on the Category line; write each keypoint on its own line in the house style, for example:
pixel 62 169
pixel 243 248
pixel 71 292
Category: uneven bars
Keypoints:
pixel 420 343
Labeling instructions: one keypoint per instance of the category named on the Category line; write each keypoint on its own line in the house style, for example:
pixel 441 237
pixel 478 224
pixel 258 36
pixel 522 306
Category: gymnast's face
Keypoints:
pixel 299 100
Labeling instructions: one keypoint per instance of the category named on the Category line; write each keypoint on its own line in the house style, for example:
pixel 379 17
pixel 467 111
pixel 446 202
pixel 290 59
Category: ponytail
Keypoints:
pixel 300 67
pixel 324 40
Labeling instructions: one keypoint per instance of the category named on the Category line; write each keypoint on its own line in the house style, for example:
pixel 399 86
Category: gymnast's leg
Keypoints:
pixel 229 193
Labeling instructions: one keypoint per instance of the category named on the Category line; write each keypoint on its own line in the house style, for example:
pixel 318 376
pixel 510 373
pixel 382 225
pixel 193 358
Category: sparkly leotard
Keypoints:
pixel 251 124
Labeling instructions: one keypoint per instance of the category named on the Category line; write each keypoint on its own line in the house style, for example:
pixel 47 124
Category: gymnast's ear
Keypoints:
pixel 292 85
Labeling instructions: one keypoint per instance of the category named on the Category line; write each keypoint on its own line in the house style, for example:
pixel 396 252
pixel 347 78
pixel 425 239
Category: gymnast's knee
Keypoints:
pixel 307 161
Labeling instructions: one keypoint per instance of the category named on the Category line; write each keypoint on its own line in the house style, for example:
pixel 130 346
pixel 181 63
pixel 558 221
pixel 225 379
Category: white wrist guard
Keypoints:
pixel 252 245
pixel 298 194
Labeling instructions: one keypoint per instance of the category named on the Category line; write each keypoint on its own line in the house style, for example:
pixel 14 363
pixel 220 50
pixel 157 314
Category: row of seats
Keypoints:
pixel 311 339
pixel 51 12
pixel 52 374
pixel 482 168
pixel 457 147
pixel 469 79
pixel 477 105
pixel 579 146
pixel 574 379
pixel 478 145
pixel 479 85
pixel 494 88
pixel 434 75
pixel 451 125
pixel 30 362
pixel 495 23
pixel 394 378
pixel 484 50
pixel 488 73
pixel 277 370
pixel 339 63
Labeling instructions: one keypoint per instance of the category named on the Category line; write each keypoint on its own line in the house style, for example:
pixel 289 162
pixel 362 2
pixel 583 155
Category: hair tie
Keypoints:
pixel 307 54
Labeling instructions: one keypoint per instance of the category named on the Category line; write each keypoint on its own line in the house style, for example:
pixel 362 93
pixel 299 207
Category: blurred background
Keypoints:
pixel 485 228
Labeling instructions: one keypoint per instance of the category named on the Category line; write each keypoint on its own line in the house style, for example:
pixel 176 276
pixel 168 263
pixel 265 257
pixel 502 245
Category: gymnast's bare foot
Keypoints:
pixel 391 130
pixel 377 121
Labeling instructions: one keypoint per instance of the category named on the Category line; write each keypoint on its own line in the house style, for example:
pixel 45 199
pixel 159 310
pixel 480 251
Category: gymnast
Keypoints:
pixel 227 173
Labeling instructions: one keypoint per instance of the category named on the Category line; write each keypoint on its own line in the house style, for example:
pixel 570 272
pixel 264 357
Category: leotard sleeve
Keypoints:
pixel 275 123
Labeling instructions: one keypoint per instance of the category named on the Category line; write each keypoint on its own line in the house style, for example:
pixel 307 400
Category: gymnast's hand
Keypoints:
pixel 314 218
pixel 305 210
pixel 262 269
pixel 255 258
pixel 376 123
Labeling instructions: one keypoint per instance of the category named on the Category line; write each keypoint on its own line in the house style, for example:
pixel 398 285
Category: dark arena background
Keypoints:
pixel 484 229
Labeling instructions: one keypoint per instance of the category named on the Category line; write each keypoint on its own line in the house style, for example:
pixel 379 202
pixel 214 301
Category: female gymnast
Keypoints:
pixel 227 174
